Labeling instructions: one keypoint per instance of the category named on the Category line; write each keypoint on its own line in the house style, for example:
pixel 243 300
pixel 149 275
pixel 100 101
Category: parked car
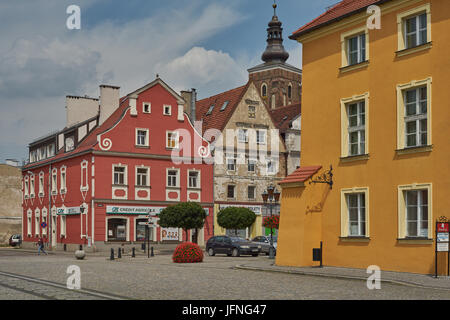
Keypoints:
pixel 264 242
pixel 232 246
pixel 15 239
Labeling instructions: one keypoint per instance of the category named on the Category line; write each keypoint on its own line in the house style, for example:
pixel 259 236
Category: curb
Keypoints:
pixel 337 276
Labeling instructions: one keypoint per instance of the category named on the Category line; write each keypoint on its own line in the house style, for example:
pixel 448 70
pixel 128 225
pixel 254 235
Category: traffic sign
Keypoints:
pixel 43 225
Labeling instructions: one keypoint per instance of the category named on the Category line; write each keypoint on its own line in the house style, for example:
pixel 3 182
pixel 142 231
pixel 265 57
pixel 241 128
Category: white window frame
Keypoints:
pixel 177 178
pixel 361 214
pixel 44 219
pixel 149 107
pixel 253 161
pixel 271 163
pixel 63 225
pixel 360 128
pixel 416 118
pixel 263 141
pixel 146 142
pixel 50 150
pixel 264 85
pixel 167 110
pixel 233 164
pixel 345 46
pixel 54 181
pixel 147 175
pixel 401 23
pixel 41 184
pixel 243 133
pixel 345 135
pixel 29 222
pixel 345 212
pixel 26 187
pixel 37 221
pixel 32 186
pixel 177 139
pixel 124 173
pixel 84 175
pixel 63 179
pixel 198 179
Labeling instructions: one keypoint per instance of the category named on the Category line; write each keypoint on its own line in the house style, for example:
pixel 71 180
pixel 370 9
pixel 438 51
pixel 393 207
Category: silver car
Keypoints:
pixel 264 242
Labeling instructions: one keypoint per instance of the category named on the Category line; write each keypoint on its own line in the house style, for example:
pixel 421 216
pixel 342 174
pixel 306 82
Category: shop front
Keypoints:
pixel 255 230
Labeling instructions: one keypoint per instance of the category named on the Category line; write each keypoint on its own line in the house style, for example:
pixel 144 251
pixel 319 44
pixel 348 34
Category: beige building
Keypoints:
pixel 10 202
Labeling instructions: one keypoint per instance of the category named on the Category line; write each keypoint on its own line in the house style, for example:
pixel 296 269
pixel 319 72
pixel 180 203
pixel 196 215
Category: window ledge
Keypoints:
pixel 352 67
pixel 141 147
pixel 172 149
pixel 120 185
pixel 412 50
pixel 194 188
pixel 170 187
pixel 354 239
pixel 143 187
pixel 409 150
pixel 358 157
pixel 415 240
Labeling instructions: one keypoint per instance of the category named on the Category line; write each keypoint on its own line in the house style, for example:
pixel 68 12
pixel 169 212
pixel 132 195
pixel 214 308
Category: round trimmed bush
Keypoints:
pixel 187 252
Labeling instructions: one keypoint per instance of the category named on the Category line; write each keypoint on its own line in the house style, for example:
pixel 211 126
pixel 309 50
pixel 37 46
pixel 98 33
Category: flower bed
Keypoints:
pixel 187 252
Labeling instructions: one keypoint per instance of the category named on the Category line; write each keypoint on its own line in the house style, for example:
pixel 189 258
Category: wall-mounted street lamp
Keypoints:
pixel 326 177
pixel 271 196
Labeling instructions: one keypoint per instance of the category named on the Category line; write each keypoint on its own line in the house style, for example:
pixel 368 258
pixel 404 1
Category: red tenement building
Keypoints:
pixel 117 161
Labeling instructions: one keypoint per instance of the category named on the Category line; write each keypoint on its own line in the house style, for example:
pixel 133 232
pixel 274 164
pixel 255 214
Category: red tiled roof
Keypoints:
pixel 339 11
pixel 301 174
pixel 218 119
pixel 283 116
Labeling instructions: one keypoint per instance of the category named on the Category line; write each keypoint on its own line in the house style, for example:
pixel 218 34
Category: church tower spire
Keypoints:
pixel 275 51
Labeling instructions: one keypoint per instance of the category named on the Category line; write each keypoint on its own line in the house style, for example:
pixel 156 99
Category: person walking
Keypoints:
pixel 41 246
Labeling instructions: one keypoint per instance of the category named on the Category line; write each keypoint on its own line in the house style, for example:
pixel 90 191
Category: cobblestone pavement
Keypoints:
pixel 214 279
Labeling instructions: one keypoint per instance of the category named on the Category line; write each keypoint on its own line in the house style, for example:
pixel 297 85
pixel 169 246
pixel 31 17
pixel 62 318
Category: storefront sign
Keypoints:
pixel 442 247
pixel 442 227
pixel 133 210
pixel 169 234
pixel 255 209
pixel 68 211
pixel 442 237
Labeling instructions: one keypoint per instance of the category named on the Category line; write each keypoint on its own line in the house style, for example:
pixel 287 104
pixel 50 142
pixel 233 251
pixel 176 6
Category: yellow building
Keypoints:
pixel 376 108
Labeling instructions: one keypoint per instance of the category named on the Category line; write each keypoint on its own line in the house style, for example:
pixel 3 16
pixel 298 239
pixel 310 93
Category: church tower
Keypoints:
pixel 279 83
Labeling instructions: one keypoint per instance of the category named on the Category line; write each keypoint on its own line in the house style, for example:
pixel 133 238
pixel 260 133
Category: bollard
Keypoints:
pixel 143 246
pixel 112 254
pixel 119 253
pixel 65 247
pixel 133 253
pixel 151 254
pixel 81 247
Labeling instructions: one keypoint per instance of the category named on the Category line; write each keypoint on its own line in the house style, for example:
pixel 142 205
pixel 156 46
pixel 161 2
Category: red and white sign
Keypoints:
pixel 442 227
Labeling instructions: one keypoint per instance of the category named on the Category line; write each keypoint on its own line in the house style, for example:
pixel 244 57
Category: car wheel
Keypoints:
pixel 235 252
pixel 211 252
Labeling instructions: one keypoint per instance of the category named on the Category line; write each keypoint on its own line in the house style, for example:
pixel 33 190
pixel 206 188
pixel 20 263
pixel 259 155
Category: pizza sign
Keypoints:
pixel 442 227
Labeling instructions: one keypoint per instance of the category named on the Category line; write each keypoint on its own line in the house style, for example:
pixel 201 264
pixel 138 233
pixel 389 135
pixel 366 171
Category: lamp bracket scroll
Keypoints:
pixel 326 177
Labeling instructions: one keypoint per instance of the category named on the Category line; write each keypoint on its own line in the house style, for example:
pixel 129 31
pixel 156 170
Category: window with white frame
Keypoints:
pixel 260 136
pixel 231 164
pixel 146 107
pixel 194 179
pixel 231 191
pixel 29 222
pixel 51 150
pixel 84 175
pixel 142 177
pixel 251 165
pixel 63 180
pixel 119 175
pixel 356 113
pixel 44 220
pixel 356 204
pixel 36 221
pixel 32 186
pixel 26 187
pixel 167 110
pixel 54 182
pixel 416 202
pixel 271 166
pixel 33 156
pixel 142 137
pixel 416 121
pixel 172 178
pixel 243 135
pixel 172 139
pixel 415 32
pixel 41 184
pixel 62 224
pixel 251 192
pixel 356 49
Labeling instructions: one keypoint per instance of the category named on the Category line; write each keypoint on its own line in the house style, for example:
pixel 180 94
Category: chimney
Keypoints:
pixel 109 101
pixel 191 98
pixel 79 109
pixel 193 105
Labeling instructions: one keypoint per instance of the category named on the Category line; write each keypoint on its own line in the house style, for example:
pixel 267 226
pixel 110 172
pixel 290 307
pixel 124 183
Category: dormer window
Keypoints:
pixel 51 150
pixel 70 144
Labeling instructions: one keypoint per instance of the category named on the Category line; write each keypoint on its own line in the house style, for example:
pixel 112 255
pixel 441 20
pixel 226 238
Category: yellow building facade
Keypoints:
pixel 375 108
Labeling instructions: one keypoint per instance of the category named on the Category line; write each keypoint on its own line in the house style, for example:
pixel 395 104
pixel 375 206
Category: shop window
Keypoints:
pixel 117 230
pixel 141 230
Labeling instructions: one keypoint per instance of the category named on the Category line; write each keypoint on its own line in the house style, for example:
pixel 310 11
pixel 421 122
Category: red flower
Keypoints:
pixel 187 252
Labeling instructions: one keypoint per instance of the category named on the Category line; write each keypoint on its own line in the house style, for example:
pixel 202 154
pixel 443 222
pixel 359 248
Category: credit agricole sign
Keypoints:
pixel 133 210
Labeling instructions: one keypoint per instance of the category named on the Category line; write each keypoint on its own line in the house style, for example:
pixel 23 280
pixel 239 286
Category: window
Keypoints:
pixel 172 140
pixel 62 224
pixel 251 192
pixel 264 90
pixel 243 135
pixel 290 91
pixel 172 178
pixel 210 110
pixel 416 213
pixel 84 175
pixel 70 143
pixel 414 115
pixel 142 137
pixel 230 191
pixel 63 180
pixel 41 184
pixel 119 175
pixel 252 112
pixel 251 166
pixel 54 182
pixel 356 204
pixel 44 220
pixel 167 110
pixel 142 177
pixel 224 106
pixel 29 222
pixel 32 186
pixel 355 47
pixel 50 150
pixel 231 164
pixel 356 128
pixel 42 153
pixel 271 166
pixel 194 179
pixel 355 212
pixel 273 102
pixel 146 107
pixel 260 136
pixel 33 156
pixel 37 214
pixel 414 27
pixel 26 187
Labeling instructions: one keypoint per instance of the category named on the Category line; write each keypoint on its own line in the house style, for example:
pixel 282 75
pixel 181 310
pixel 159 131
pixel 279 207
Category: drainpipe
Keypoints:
pixel 50 213
pixel 193 107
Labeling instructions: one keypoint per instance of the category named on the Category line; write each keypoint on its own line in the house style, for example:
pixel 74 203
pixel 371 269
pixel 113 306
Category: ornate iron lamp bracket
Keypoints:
pixel 326 177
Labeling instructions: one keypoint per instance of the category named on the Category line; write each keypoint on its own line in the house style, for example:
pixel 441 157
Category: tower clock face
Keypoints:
pixel 69 143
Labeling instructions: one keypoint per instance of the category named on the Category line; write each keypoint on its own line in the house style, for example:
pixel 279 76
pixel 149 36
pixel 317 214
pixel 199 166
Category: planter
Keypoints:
pixel 80 254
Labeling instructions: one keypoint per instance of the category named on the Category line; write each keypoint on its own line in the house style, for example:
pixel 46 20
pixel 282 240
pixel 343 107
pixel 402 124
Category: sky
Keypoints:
pixel 202 44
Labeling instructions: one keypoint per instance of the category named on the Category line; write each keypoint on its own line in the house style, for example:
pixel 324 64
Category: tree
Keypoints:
pixel 235 218
pixel 185 215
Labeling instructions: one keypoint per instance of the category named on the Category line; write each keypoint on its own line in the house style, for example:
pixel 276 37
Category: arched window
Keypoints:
pixel 264 90
pixel 273 101
pixel 290 91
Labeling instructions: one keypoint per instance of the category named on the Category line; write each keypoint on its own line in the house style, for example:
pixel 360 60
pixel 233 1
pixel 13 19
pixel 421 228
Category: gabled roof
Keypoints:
pixel 337 12
pixel 283 116
pixel 301 174
pixel 218 118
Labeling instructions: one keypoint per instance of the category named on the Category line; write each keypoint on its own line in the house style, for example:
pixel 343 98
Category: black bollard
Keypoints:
pixel 119 253
pixel 143 246
pixel 65 247
pixel 133 255
pixel 151 254
pixel 112 254
pixel 81 247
